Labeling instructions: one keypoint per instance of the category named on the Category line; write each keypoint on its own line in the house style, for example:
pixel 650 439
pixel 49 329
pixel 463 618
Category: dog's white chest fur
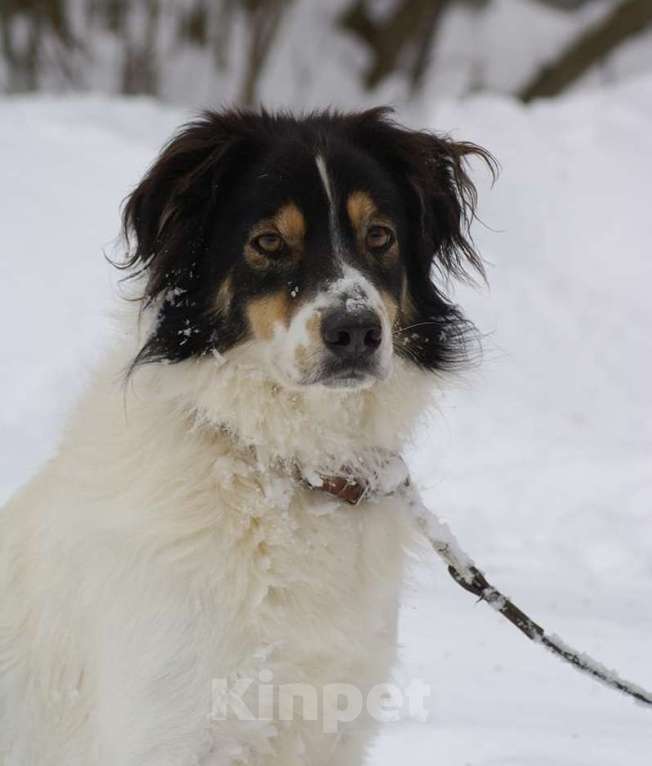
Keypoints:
pixel 153 561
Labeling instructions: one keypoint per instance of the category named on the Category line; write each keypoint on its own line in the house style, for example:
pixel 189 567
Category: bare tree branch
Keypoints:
pixel 140 65
pixel 264 19
pixel 412 23
pixel 626 20
pixel 403 40
pixel 565 5
pixel 425 45
pixel 43 20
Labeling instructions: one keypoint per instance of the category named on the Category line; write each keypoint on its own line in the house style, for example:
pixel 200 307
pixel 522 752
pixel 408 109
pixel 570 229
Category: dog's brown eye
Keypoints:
pixel 269 244
pixel 379 238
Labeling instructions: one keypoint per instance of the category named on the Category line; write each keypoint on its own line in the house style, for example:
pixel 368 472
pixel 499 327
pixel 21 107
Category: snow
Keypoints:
pixel 539 459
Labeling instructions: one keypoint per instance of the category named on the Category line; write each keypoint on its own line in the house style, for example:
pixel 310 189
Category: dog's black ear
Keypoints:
pixel 437 188
pixel 165 218
pixel 440 200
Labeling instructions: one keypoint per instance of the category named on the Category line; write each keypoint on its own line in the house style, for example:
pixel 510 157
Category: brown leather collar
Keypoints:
pixel 386 479
pixel 345 487
pixel 350 490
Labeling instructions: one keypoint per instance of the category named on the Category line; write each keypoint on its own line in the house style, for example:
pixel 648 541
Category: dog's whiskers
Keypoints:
pixel 412 326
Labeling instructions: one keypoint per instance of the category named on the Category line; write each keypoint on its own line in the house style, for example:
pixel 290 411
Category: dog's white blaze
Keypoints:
pixel 334 229
pixel 323 173
pixel 359 292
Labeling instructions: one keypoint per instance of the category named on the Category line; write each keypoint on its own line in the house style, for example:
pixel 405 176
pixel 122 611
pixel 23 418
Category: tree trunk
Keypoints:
pixel 263 22
pixel 626 20
pixel 412 24
pixel 140 65
pixel 44 21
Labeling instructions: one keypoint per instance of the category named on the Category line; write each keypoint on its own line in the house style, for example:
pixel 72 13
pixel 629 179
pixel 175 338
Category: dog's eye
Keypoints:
pixel 379 238
pixel 269 244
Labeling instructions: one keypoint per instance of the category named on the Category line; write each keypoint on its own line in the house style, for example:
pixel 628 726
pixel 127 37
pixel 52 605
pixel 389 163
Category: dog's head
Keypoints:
pixel 307 246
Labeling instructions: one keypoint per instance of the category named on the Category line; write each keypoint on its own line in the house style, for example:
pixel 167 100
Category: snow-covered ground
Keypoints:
pixel 540 459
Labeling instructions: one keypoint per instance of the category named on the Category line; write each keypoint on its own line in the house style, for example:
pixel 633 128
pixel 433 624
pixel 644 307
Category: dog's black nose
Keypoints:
pixel 351 336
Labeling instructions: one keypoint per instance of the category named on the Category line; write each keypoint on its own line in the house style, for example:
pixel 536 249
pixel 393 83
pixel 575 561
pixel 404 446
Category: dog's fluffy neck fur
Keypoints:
pixel 317 429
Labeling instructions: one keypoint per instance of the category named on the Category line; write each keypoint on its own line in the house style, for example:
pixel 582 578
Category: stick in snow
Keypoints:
pixel 466 574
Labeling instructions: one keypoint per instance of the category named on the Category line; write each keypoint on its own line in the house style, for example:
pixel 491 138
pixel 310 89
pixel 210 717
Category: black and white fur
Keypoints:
pixel 288 324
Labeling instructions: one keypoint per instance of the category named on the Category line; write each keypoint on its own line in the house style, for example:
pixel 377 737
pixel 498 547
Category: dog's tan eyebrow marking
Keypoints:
pixel 361 208
pixel 291 223
pixel 363 212
pixel 336 235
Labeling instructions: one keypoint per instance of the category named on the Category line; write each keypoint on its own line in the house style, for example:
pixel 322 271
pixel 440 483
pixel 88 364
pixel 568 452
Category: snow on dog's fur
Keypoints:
pixel 288 326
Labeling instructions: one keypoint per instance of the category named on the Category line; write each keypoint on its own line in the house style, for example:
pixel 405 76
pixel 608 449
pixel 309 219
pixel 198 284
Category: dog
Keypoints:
pixel 210 516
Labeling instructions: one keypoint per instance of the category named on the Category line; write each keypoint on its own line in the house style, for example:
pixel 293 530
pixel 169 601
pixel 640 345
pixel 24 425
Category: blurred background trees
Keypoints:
pixel 300 52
